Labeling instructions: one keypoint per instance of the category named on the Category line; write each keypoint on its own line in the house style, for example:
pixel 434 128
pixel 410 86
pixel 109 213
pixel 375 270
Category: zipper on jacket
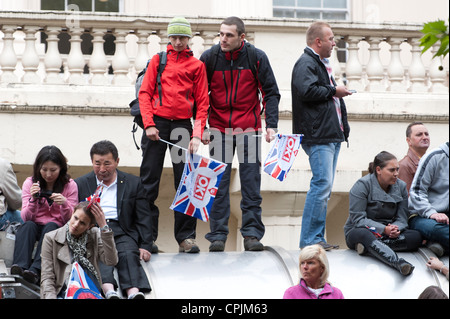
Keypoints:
pixel 237 85
pixel 231 91
pixel 226 87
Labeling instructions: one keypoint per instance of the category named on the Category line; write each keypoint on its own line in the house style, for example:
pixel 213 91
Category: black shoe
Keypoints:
pixel 217 246
pixel 328 246
pixel 16 270
pixel 155 249
pixel 31 277
pixel 252 244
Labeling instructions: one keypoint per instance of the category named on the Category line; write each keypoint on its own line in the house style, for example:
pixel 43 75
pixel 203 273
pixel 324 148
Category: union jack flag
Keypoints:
pixel 95 198
pixel 282 155
pixel 198 186
pixel 80 285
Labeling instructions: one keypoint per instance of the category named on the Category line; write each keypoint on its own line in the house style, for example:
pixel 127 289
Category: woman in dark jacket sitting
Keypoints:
pixel 378 217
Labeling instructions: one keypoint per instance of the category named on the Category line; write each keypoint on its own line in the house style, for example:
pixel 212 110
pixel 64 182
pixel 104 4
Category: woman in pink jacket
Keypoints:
pixel 314 272
pixel 48 199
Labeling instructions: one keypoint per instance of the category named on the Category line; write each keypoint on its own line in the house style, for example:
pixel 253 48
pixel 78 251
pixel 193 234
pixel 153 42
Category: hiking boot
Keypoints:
pixel 189 246
pixel 217 245
pixel 252 244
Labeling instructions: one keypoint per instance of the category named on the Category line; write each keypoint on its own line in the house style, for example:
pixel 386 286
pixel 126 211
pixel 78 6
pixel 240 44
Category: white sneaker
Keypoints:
pixel 112 294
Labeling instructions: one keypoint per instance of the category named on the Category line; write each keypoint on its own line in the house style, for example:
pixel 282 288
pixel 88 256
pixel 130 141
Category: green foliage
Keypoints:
pixel 433 32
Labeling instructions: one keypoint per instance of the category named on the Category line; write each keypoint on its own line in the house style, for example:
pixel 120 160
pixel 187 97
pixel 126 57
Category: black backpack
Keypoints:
pixel 135 111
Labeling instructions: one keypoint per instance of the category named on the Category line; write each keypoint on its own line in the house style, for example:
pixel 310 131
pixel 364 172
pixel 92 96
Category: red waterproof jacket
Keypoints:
pixel 234 97
pixel 184 84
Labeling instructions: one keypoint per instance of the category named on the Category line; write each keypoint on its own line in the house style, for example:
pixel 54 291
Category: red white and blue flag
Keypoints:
pixel 80 285
pixel 198 186
pixel 282 155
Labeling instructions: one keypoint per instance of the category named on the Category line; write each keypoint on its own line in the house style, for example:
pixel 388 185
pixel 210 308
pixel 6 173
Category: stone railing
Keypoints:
pixel 377 58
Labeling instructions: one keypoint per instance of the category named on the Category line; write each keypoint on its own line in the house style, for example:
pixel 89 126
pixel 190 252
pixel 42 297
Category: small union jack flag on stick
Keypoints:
pixel 282 155
pixel 95 198
pixel 198 186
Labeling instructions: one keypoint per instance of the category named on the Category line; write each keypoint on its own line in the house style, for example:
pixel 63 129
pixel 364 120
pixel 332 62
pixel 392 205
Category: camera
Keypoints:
pixel 45 194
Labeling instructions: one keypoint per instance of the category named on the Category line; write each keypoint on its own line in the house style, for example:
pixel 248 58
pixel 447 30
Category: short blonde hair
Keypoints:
pixel 318 253
pixel 315 31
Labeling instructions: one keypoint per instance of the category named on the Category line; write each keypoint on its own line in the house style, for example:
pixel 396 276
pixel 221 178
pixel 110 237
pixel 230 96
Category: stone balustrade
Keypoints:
pixel 374 58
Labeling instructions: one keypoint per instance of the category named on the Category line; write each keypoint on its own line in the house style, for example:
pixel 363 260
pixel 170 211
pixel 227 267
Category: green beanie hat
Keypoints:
pixel 179 26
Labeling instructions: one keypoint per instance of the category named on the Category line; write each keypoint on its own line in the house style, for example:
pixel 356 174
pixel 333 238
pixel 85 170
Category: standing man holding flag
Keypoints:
pixel 238 73
pixel 167 106
pixel 319 113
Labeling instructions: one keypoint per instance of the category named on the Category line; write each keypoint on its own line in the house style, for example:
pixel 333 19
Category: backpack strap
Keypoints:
pixel 211 65
pixel 161 67
pixel 252 59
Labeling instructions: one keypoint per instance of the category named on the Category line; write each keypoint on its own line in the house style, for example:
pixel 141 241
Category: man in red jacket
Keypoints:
pixel 183 86
pixel 239 75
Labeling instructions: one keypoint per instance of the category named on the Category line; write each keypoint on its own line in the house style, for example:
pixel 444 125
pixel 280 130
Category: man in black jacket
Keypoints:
pixel 236 77
pixel 128 215
pixel 319 113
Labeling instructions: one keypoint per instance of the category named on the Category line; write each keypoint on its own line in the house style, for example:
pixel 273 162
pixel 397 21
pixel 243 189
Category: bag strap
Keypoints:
pixel 161 67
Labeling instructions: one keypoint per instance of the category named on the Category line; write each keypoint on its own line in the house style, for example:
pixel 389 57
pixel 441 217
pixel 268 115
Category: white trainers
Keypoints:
pixel 112 294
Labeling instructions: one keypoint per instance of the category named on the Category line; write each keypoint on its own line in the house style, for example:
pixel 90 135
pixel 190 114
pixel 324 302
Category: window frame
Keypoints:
pixel 321 10
pixel 66 4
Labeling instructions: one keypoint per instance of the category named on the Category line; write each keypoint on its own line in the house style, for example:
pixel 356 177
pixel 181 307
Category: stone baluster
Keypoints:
pixel 396 70
pixel 30 58
pixel 98 65
pixel 8 57
pixel 120 61
pixel 250 36
pixel 164 39
pixel 417 70
pixel 53 60
pixel 142 55
pixel 75 60
pixel 437 75
pixel 208 39
pixel 353 68
pixel 337 70
pixel 374 69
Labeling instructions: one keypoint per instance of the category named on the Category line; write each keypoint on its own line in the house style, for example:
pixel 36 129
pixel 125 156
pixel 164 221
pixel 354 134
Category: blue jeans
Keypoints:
pixel 431 230
pixel 10 217
pixel 322 159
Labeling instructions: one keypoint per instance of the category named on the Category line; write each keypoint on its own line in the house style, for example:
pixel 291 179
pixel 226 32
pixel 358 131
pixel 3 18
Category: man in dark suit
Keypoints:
pixel 127 213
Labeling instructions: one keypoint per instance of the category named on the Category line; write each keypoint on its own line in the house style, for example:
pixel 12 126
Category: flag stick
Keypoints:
pixel 185 149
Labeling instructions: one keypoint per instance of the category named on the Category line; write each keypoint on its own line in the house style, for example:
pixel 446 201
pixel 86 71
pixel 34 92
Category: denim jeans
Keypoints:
pixel 322 159
pixel 431 230
pixel 10 217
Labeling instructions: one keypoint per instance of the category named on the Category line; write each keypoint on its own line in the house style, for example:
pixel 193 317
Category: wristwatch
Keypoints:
pixel 105 228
